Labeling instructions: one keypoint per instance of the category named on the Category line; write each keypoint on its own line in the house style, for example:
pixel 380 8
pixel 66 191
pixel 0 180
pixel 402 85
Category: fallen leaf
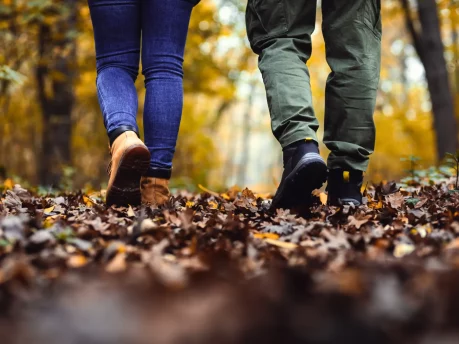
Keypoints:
pixel 49 210
pixel 215 194
pixel 212 205
pixel 266 236
pixel 130 212
pixel 13 228
pixel 77 261
pixel 402 250
pixel 82 245
pixel 8 184
pixel 248 194
pixel 282 244
pixel 357 223
pixel 117 264
pixel 147 224
pixel 323 198
pixel 389 188
pixel 88 201
pixel 12 200
pixel 41 237
pixel 395 200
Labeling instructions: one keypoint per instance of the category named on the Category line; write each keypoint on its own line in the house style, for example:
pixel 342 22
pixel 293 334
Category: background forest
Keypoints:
pixel 51 129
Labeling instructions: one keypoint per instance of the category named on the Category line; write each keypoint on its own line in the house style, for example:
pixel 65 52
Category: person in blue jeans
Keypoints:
pixel 156 32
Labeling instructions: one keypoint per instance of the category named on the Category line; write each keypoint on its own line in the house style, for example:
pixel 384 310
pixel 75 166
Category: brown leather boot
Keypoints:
pixel 130 160
pixel 155 191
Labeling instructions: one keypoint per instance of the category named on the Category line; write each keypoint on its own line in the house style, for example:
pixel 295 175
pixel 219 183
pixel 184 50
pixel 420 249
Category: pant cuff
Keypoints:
pixel 347 163
pixel 162 173
pixel 113 135
pixel 289 139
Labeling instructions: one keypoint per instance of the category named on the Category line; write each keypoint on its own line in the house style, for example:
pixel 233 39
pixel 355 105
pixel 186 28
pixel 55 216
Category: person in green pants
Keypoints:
pixel 280 32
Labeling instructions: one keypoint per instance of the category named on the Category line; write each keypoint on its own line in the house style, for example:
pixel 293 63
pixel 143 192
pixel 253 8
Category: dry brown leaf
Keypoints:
pixel 395 200
pixel 357 223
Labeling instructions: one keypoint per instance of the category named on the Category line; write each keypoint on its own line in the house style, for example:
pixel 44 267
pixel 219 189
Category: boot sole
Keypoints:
pixel 125 189
pixel 308 175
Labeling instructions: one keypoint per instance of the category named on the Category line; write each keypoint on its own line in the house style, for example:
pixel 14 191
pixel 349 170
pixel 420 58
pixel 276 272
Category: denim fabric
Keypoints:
pixel 121 28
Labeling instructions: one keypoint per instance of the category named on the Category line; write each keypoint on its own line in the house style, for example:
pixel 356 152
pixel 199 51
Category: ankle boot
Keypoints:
pixel 344 187
pixel 155 191
pixel 130 160
pixel 304 171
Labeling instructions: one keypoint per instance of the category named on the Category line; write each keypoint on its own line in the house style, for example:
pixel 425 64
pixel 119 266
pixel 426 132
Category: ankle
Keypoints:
pixel 160 173
pixel 114 134
pixel 345 175
pixel 299 149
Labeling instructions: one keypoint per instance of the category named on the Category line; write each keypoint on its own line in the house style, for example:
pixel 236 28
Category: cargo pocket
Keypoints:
pixel 370 15
pixel 265 19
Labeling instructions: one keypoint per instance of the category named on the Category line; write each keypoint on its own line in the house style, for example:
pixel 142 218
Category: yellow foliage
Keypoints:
pixel 218 67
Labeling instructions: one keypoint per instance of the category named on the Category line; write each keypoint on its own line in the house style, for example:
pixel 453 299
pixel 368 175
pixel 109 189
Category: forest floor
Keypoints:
pixel 223 268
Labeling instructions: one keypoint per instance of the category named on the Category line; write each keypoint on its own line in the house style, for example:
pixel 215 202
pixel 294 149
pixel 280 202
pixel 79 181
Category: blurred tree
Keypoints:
pixel 55 73
pixel 429 46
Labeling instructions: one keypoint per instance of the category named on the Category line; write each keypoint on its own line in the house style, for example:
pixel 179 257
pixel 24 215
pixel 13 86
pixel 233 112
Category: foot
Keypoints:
pixel 130 160
pixel 344 187
pixel 155 191
pixel 304 171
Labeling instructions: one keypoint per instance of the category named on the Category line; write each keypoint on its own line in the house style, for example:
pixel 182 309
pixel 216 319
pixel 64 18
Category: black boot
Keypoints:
pixel 304 171
pixel 344 187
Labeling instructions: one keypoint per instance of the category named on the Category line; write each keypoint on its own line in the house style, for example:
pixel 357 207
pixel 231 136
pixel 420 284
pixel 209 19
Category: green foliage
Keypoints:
pixel 68 174
pixel 65 234
pixel 413 163
pixel 453 160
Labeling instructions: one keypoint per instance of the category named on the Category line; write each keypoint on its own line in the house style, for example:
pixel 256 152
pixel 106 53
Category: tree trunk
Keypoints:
pixel 429 46
pixel 55 75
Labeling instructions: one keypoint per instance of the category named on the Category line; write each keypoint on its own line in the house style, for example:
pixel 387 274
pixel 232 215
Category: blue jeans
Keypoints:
pixel 121 27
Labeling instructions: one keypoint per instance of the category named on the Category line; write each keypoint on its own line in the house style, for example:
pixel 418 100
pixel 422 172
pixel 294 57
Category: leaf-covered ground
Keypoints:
pixel 223 268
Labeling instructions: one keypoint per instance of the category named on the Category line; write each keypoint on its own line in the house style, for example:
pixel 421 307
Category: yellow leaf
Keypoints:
pixel 375 205
pixel 213 205
pixel 282 244
pixel 272 236
pixel 323 198
pixel 225 196
pixel 88 201
pixel 130 212
pixel 49 221
pixel 8 184
pixel 77 261
pixel 208 191
pixel 49 210
pixel 189 204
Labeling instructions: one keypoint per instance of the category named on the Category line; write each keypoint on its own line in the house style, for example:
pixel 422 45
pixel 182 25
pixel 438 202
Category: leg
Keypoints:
pixel 280 32
pixel 164 33
pixel 352 32
pixel 117 37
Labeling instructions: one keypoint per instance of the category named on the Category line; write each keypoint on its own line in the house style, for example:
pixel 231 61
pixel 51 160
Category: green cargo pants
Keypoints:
pixel 280 33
